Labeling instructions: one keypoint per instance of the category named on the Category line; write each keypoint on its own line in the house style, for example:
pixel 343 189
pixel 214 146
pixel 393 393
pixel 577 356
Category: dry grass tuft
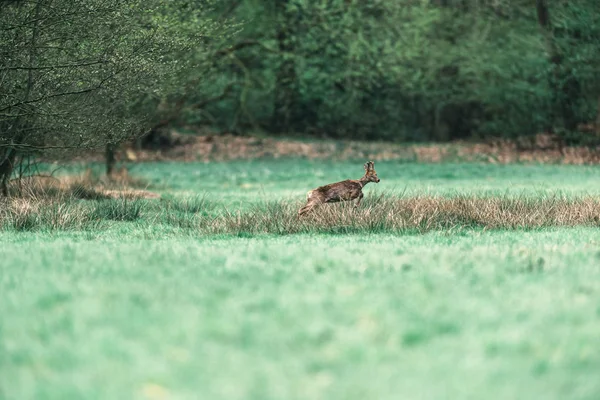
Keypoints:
pixel 378 214
pixel 49 214
pixel 87 186
pixel 421 214
pixel 62 214
pixel 50 203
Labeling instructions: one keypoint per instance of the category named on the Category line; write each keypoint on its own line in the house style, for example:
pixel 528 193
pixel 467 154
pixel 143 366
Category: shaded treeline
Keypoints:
pixel 413 70
pixel 79 74
pixel 90 73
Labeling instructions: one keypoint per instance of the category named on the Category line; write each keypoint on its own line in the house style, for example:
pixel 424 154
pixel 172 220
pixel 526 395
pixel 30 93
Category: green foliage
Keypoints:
pixel 577 30
pixel 406 70
pixel 372 69
pixel 80 74
pixel 399 70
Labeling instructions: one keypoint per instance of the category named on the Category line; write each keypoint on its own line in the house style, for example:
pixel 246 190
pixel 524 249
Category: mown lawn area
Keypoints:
pixel 135 310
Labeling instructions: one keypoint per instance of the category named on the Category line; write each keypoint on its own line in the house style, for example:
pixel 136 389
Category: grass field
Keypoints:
pixel 247 181
pixel 138 309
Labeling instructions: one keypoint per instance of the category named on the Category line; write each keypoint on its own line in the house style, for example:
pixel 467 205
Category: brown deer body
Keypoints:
pixel 347 190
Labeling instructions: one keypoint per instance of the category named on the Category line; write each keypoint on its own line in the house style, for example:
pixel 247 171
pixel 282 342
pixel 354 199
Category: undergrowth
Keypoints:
pixel 90 185
pixel 118 210
pixel 377 214
pixel 394 214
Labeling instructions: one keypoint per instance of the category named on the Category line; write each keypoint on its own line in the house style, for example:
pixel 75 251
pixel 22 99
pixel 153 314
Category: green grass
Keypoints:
pixel 143 304
pixel 477 315
pixel 241 182
pixel 289 178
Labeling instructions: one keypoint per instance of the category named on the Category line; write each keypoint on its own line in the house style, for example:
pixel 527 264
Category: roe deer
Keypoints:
pixel 341 191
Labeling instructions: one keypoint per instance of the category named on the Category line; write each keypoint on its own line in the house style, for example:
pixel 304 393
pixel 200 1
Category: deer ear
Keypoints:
pixel 366 166
pixel 369 166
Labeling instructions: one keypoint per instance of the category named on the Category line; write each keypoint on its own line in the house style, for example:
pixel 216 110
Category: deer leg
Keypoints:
pixel 309 206
pixel 311 202
pixel 360 197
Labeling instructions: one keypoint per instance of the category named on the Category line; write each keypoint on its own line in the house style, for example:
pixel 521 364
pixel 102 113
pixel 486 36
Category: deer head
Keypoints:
pixel 370 173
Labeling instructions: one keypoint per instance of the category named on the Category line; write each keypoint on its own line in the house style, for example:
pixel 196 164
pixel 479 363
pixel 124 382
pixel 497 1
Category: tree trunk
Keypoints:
pixel 286 79
pixel 6 168
pixel 598 119
pixel 110 159
pixel 564 86
pixel 9 157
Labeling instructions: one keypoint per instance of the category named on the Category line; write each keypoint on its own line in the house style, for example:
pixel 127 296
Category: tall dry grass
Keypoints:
pixel 50 203
pixel 89 185
pixel 377 214
pixel 67 213
pixel 387 213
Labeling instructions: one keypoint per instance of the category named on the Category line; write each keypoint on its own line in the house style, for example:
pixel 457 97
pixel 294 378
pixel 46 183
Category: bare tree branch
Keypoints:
pixel 74 65
pixel 244 44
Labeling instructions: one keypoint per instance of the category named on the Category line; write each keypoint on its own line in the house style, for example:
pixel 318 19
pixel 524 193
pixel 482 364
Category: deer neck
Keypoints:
pixel 363 181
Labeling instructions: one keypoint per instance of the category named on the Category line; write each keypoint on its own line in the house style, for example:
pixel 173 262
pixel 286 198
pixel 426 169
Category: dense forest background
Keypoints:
pixel 87 73
pixel 411 70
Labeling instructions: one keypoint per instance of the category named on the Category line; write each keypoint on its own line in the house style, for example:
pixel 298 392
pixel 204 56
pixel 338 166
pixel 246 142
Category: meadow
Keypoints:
pixel 139 299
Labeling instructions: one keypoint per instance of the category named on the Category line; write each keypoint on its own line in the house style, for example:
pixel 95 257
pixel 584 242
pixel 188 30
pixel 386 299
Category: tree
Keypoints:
pixel 409 70
pixel 563 84
pixel 79 74
pixel 287 14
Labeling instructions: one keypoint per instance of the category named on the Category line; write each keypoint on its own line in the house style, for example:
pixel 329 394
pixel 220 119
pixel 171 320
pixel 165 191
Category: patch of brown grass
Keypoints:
pixel 542 148
pixel 45 214
pixel 67 213
pixel 421 214
pixel 87 186
pixel 377 214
